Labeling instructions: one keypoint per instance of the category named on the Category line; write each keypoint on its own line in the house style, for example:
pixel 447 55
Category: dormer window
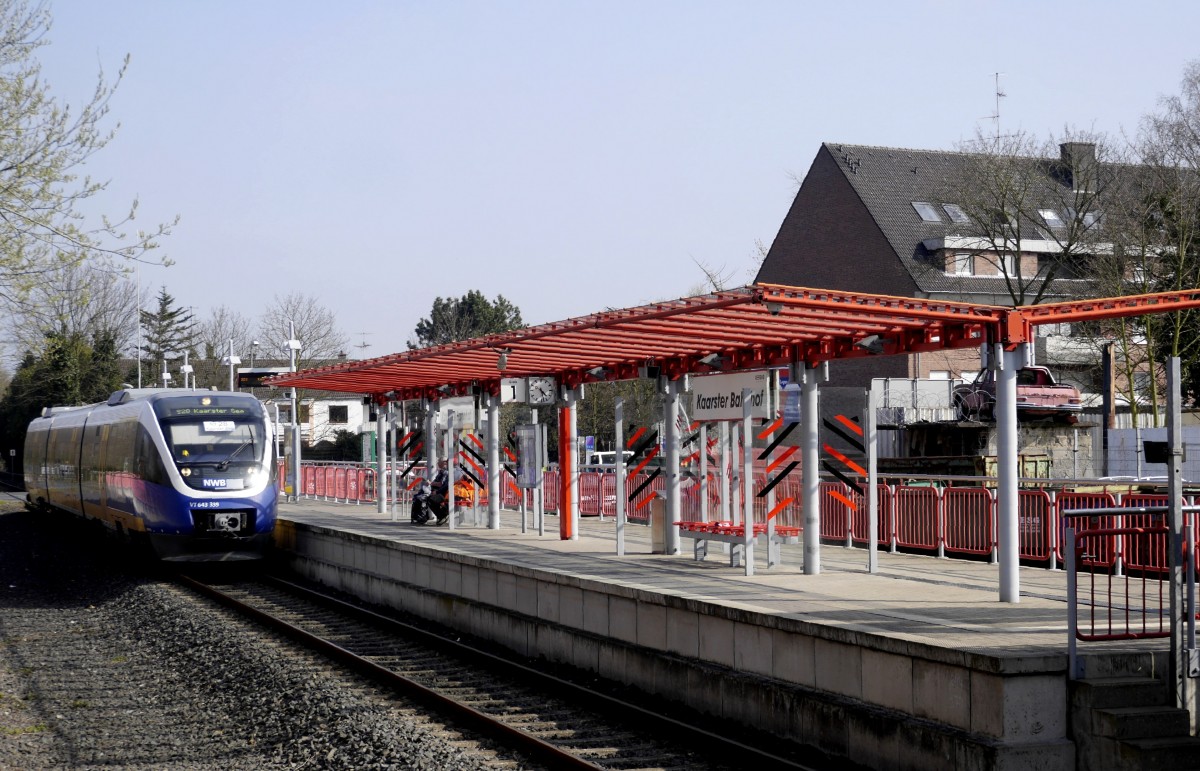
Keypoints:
pixel 927 211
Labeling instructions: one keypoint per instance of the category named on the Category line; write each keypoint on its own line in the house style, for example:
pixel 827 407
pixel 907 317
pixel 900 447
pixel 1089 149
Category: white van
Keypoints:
pixel 607 458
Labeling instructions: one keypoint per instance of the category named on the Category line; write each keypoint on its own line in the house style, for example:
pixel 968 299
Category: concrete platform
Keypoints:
pixel 917 666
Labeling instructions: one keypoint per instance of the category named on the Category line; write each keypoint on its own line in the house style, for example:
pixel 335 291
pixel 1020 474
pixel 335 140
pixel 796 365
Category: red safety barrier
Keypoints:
pixel 1120 606
pixel 308 480
pixel 860 521
pixel 510 494
pixel 608 495
pixel 970 520
pixel 1135 551
pixel 589 494
pixel 550 491
pixel 835 511
pixel 791 515
pixel 339 483
pixel 635 511
pixel 1035 524
pixel 918 517
pixel 1102 553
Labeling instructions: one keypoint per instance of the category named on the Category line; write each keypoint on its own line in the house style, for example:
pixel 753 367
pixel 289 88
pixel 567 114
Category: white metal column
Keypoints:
pixel 381 452
pixel 619 461
pixel 810 422
pixel 493 460
pixel 1007 470
pixel 671 464
pixel 872 437
pixel 748 480
pixel 431 445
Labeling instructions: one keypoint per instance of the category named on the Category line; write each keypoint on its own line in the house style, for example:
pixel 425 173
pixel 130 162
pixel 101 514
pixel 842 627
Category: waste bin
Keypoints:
pixel 658 524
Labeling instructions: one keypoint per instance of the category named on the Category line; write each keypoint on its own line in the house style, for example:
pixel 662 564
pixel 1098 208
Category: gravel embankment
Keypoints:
pixel 102 667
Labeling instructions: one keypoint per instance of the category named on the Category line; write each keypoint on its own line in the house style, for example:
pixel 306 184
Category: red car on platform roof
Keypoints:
pixel 1038 396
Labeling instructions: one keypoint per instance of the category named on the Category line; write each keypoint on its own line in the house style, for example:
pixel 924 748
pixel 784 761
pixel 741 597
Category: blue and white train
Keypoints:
pixel 192 473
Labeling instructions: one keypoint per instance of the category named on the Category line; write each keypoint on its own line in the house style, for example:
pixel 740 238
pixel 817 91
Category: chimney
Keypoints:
pixel 1079 160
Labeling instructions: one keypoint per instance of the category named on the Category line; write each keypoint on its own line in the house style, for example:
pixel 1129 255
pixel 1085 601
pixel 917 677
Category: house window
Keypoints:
pixel 963 265
pixel 1052 218
pixel 939 374
pixel 1006 264
pixel 956 213
pixel 339 413
pixel 927 211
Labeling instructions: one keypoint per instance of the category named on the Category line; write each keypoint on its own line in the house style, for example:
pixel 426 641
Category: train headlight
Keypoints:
pixel 187 472
pixel 256 477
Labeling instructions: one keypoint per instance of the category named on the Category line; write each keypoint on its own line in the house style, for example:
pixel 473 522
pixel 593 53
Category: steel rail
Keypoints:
pixel 544 751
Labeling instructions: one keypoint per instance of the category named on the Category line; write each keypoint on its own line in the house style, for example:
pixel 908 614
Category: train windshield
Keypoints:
pixel 221 443
pixel 215 442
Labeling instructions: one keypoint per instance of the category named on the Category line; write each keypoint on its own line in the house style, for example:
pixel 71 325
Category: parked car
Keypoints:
pixel 1038 396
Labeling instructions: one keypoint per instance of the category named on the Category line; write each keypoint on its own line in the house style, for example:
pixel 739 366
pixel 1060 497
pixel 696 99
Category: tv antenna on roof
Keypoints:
pixel 996 115
pixel 364 344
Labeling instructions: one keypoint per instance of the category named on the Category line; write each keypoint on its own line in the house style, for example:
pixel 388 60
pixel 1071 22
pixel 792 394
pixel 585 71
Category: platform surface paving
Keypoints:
pixel 946 603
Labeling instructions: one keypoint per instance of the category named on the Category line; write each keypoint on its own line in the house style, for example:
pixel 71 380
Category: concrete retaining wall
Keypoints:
pixel 882 702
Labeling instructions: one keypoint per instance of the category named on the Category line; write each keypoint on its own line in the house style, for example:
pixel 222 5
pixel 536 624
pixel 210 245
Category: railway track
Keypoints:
pixel 551 721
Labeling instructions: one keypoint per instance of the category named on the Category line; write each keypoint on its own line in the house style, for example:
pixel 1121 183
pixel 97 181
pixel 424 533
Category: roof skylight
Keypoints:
pixel 956 213
pixel 927 211
pixel 1051 217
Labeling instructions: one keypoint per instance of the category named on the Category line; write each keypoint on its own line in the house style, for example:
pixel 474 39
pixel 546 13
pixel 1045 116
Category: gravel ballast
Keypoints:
pixel 106 666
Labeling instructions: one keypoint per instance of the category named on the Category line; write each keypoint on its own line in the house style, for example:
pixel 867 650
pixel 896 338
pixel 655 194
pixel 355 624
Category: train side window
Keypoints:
pixel 148 465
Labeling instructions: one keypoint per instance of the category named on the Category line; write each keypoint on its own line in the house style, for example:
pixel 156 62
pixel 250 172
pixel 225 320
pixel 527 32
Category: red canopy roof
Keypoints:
pixel 751 327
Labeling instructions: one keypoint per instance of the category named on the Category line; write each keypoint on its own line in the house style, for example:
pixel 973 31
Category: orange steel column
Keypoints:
pixel 566 512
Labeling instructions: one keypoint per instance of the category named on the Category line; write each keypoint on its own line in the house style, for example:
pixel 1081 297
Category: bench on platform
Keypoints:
pixel 725 531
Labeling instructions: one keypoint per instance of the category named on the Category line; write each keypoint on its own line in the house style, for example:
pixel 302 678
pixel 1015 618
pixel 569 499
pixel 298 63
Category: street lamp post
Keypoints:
pixel 185 370
pixel 293 345
pixel 253 349
pixel 232 361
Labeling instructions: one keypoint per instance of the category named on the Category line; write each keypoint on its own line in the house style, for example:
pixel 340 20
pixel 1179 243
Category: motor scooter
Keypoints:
pixel 427 503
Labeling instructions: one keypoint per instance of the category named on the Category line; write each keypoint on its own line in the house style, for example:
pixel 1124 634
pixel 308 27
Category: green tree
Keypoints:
pixel 471 315
pixel 1007 188
pixel 168 331
pixel 43 145
pixel 70 371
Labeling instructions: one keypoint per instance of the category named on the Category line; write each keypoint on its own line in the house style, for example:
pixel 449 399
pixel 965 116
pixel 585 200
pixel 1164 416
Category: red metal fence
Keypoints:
pixel 950 521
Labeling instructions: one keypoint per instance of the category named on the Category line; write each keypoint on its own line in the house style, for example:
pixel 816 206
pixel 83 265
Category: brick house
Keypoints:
pixel 894 221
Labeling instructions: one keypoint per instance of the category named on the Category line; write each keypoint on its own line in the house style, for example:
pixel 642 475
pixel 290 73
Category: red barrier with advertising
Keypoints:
pixel 608 495
pixel 589 494
pixel 339 483
pixel 1035 524
pixel 1104 551
pixel 1138 550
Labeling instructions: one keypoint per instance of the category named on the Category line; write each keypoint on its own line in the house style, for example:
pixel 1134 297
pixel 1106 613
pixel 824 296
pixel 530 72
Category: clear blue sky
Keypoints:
pixel 571 156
